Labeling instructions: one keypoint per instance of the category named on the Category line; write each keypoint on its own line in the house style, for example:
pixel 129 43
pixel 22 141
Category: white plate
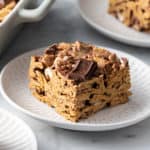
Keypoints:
pixel 15 134
pixel 95 13
pixel 14 87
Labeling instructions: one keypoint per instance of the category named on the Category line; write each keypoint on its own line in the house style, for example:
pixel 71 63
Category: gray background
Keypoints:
pixel 63 23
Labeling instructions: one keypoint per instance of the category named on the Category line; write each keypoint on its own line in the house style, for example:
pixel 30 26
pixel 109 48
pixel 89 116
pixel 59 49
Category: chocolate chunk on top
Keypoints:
pixel 49 55
pixel 51 50
pixel 84 69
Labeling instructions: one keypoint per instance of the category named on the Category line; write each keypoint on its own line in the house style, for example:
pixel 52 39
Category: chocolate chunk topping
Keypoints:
pixel 49 56
pixel 84 69
pixel 51 50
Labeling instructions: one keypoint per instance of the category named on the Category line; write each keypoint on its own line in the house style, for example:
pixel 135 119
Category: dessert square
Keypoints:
pixel 133 13
pixel 79 79
pixel 6 7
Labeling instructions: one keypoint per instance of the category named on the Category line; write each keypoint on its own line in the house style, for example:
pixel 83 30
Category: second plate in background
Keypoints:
pixel 95 13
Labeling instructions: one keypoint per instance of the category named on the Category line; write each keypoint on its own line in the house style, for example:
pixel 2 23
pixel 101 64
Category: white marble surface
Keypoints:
pixel 64 23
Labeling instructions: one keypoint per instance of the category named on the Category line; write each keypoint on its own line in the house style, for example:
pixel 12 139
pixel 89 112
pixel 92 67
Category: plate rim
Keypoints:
pixel 71 125
pixel 110 34
pixel 25 125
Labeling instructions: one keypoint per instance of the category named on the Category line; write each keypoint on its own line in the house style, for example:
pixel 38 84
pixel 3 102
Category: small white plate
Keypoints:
pixel 95 13
pixel 15 134
pixel 14 87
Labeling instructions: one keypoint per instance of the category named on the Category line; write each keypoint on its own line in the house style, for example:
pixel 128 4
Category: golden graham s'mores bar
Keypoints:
pixel 6 7
pixel 79 79
pixel 133 13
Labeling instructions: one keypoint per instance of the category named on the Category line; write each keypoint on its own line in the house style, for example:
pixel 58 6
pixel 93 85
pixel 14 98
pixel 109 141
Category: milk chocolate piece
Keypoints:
pixel 51 50
pixel 84 69
pixel 49 55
